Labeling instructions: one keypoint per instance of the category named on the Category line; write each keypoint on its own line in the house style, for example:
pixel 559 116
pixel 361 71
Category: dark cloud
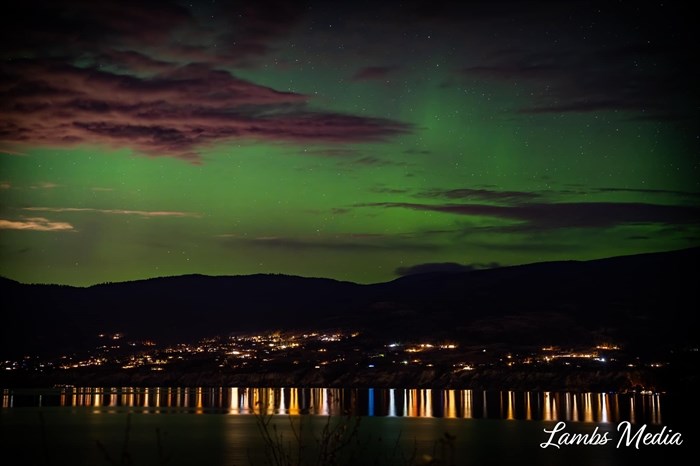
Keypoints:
pixel 340 152
pixel 551 216
pixel 149 75
pixel 337 243
pixel 253 27
pixel 373 73
pixel 582 82
pixel 349 160
pixel 373 161
pixel 634 60
pixel 649 191
pixel 531 246
pixel 128 60
pixel 442 267
pixel 514 198
pixel 448 12
pixel 71 28
pixel 480 194
pixel 387 190
pixel 510 71
pixel 517 197
pixel 230 33
pixel 418 151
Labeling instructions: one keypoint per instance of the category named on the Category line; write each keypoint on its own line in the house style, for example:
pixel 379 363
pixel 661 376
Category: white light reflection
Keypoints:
pixel 392 402
pixel 605 408
pixel 283 405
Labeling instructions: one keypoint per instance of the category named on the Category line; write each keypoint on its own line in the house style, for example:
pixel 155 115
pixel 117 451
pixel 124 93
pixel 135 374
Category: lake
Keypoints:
pixel 222 426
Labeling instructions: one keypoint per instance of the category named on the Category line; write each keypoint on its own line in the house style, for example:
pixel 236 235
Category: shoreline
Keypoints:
pixel 589 380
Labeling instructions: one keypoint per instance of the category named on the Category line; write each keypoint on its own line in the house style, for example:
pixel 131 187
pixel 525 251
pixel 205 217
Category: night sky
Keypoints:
pixel 351 140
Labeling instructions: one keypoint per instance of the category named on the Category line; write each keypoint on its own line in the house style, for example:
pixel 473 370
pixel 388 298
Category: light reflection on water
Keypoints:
pixel 445 403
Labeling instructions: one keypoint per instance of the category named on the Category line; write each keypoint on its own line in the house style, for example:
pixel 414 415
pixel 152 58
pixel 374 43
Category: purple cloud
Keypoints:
pixel 173 113
pixel 145 75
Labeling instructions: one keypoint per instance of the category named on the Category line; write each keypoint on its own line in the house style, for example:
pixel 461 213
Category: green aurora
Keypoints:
pixel 481 159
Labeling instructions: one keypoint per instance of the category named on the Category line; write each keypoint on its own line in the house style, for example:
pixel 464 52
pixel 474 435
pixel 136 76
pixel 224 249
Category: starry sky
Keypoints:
pixel 353 140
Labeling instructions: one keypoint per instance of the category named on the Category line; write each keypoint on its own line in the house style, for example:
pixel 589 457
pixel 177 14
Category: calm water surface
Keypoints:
pixel 220 426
